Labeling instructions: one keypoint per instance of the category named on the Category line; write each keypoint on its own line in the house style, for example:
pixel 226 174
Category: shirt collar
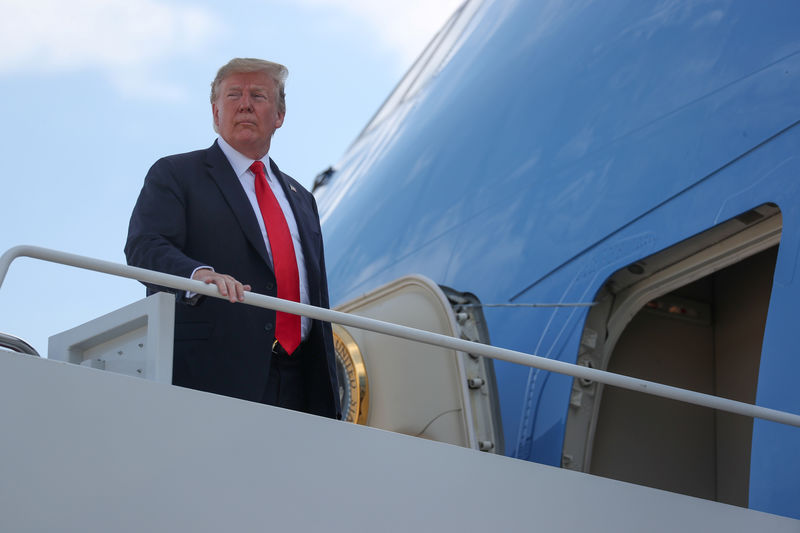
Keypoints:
pixel 241 163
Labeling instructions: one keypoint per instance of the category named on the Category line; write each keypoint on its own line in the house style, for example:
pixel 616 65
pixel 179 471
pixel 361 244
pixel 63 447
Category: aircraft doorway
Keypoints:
pixel 693 319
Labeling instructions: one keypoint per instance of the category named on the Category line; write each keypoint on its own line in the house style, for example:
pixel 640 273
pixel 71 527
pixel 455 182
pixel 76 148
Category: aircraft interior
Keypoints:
pixel 692 316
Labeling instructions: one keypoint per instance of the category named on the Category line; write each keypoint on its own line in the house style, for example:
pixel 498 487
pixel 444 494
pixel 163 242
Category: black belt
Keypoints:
pixel 280 351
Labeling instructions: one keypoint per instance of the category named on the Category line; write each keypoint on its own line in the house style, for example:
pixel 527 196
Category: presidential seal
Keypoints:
pixel 352 376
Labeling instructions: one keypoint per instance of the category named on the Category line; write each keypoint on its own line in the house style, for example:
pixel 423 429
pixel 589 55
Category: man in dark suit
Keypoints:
pixel 228 216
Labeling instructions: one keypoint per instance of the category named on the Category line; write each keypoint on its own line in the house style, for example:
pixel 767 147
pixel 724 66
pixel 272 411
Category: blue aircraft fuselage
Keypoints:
pixel 536 148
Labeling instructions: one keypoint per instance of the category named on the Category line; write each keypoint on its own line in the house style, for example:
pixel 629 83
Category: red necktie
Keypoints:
pixel 284 261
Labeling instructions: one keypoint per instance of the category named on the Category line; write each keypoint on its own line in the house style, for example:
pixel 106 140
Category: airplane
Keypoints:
pixel 617 184
pixel 611 185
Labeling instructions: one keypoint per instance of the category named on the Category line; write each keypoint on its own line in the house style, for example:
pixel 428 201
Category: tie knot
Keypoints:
pixel 257 168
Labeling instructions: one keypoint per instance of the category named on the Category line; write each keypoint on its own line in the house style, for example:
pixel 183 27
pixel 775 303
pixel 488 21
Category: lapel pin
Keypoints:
pixel 292 187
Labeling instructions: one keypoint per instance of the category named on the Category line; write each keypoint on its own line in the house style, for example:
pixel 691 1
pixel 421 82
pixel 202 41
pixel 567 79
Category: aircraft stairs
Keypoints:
pixel 88 449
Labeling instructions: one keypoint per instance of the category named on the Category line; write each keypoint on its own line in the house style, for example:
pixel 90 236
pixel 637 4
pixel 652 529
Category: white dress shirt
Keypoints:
pixel 241 166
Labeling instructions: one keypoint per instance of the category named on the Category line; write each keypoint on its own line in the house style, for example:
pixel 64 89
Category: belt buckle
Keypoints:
pixel 279 350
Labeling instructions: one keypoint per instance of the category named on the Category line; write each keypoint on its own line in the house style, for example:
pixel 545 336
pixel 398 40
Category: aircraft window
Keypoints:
pixel 691 316
pixel 429 63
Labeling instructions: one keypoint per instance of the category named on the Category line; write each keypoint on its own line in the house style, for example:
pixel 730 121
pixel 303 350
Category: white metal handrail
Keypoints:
pixel 16 344
pixel 396 330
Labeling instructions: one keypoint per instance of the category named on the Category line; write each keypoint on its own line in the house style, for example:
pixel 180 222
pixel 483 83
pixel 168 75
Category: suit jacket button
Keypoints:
pixel 268 327
pixel 270 286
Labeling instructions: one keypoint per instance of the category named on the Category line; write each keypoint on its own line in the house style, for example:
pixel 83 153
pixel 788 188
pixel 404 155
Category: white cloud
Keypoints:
pixel 123 38
pixel 405 26
pixel 127 40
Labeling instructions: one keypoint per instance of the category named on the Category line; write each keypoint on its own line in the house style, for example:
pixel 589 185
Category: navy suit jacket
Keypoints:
pixel 191 212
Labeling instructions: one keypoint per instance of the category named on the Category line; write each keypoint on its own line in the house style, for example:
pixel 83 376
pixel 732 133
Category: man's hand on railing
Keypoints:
pixel 227 286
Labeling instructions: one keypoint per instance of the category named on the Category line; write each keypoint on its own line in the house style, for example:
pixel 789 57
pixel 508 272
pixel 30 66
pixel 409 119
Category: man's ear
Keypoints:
pixel 279 121
pixel 215 113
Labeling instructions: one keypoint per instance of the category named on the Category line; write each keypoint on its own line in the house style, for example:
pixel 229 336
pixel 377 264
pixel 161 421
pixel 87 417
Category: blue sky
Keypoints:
pixel 94 91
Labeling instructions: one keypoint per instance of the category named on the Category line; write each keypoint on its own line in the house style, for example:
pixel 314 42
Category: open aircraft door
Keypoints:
pixel 413 388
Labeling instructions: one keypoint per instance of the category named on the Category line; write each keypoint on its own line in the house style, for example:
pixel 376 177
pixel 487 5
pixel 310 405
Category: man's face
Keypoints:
pixel 246 112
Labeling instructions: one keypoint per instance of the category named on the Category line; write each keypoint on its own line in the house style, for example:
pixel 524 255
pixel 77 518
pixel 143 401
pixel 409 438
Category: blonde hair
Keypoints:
pixel 240 65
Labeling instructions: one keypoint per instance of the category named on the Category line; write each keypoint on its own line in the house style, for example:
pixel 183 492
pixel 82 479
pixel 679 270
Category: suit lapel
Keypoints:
pixel 225 178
